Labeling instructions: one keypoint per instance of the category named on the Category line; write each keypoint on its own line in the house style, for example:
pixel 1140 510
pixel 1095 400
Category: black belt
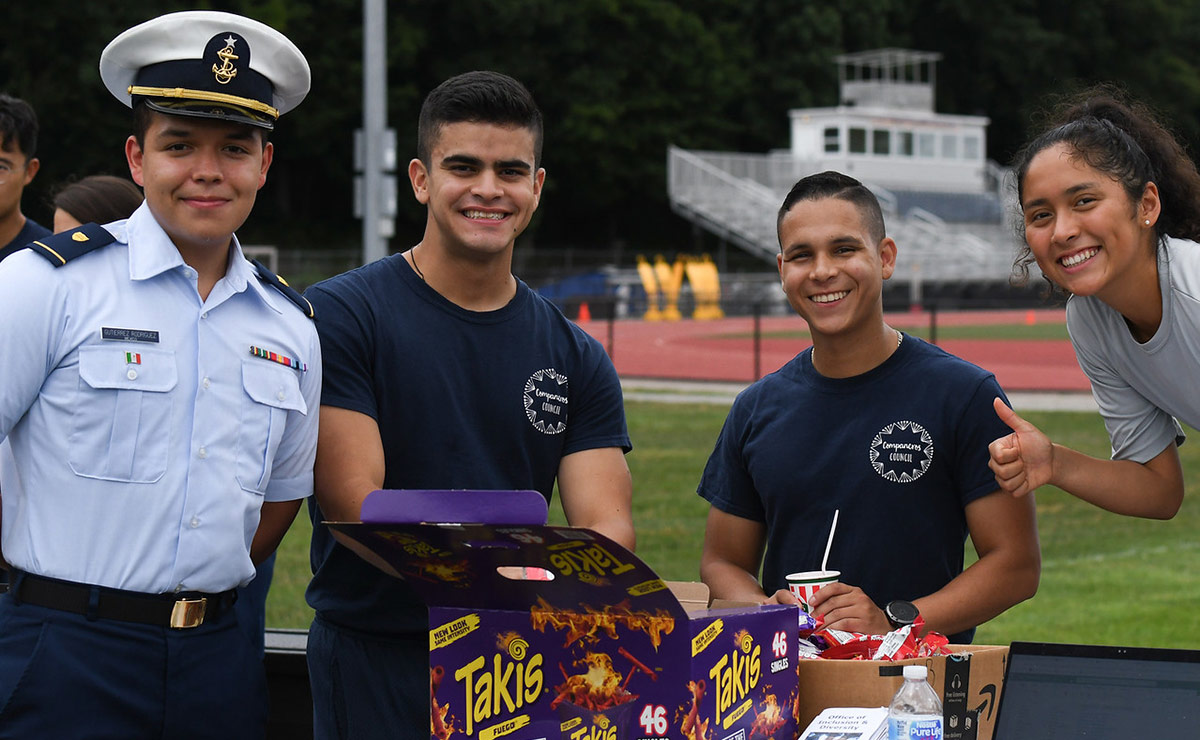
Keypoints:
pixel 183 610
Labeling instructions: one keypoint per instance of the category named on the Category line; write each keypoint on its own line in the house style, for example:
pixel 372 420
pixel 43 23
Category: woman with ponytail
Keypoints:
pixel 1111 214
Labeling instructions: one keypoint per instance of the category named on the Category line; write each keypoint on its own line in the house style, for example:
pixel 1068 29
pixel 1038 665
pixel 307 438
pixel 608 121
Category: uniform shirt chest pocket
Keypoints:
pixel 123 420
pixel 272 392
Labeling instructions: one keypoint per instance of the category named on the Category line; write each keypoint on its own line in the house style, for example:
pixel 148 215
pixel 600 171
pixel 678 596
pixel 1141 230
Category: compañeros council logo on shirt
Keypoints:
pixel 902 451
pixel 546 401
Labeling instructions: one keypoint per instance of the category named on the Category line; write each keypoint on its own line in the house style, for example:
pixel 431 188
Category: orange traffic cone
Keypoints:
pixel 584 313
pixel 1030 318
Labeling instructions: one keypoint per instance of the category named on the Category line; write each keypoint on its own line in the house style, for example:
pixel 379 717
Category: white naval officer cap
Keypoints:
pixel 207 64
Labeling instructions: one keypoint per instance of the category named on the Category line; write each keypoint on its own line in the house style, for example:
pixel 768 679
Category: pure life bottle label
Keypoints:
pixel 927 727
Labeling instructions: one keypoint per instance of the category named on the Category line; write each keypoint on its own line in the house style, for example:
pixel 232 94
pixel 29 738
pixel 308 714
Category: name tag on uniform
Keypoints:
pixel 129 335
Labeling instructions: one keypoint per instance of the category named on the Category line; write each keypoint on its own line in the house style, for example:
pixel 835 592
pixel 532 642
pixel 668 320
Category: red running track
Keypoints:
pixel 723 350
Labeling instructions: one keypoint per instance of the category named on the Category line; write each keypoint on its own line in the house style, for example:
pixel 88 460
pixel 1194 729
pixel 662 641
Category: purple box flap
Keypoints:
pixel 458 506
pixel 513 567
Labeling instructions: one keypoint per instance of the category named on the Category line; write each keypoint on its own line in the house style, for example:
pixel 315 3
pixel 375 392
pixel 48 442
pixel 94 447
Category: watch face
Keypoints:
pixel 901 612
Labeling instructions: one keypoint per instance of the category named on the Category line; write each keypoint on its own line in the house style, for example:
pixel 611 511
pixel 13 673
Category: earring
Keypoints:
pixel 1147 222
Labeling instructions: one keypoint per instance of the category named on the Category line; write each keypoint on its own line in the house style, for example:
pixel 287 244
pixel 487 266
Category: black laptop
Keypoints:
pixel 1098 692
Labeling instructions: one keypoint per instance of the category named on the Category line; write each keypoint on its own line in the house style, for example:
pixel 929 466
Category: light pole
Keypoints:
pixel 375 144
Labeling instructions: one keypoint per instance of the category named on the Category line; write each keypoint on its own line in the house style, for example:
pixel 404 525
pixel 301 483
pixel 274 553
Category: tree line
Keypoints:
pixel 618 81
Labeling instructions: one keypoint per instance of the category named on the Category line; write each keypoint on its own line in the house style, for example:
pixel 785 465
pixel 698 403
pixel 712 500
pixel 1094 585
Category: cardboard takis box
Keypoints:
pixel 538 631
pixel 968 683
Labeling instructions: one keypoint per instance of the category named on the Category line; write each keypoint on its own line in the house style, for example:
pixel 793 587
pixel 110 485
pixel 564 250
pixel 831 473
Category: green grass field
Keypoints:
pixel 1105 579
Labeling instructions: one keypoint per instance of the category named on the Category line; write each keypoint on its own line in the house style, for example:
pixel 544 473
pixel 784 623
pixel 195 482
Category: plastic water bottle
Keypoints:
pixel 915 711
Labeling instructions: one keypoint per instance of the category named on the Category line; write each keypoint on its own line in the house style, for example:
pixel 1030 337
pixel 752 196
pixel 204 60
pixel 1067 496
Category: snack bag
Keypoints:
pixel 900 644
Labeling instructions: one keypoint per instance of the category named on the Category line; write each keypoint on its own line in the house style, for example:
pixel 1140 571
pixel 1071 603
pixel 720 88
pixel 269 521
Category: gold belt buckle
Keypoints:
pixel 188 613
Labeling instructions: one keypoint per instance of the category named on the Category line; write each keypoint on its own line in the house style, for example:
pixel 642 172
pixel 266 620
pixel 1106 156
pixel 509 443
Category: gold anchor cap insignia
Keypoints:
pixel 226 71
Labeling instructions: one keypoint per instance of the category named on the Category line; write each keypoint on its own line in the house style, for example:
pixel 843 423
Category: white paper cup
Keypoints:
pixel 806 583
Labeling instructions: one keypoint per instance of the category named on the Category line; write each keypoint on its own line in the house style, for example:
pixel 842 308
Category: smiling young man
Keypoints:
pixel 18 167
pixel 159 408
pixel 888 429
pixel 434 358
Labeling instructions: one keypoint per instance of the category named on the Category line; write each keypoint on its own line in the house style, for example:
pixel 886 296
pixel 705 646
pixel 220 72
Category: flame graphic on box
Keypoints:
pixel 768 720
pixel 441 722
pixel 691 725
pixel 588 626
pixel 598 688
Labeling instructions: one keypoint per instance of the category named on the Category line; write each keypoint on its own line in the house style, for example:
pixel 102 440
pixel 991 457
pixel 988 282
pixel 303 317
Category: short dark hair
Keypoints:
pixel 478 97
pixel 99 199
pixel 18 124
pixel 144 114
pixel 830 184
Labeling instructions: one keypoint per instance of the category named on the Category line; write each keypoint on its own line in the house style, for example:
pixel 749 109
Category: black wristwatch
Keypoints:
pixel 900 613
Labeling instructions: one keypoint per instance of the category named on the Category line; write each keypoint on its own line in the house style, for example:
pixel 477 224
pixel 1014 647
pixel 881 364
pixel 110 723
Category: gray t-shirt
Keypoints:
pixel 1141 387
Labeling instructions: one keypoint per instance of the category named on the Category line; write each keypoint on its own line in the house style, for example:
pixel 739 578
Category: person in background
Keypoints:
pixel 18 167
pixel 435 357
pixel 888 429
pixel 96 199
pixel 1111 206
pixel 158 409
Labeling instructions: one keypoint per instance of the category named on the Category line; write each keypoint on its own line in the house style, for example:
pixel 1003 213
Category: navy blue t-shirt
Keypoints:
pixel 900 450
pixel 30 231
pixel 463 399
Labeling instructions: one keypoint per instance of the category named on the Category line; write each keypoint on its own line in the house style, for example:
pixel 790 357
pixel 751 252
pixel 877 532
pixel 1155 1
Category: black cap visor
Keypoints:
pixel 208 109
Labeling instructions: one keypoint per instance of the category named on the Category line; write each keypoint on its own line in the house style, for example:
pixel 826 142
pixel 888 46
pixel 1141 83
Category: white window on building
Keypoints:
pixel 926 144
pixel 858 141
pixel 971 148
pixel 881 140
pixel 949 146
pixel 904 143
pixel 832 141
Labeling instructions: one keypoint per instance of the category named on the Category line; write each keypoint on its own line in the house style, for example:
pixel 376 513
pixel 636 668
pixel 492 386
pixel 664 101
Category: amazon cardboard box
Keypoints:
pixel 968 682
pixel 539 631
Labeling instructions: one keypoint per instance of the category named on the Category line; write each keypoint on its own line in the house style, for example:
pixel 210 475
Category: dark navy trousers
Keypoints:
pixel 367 687
pixel 65 677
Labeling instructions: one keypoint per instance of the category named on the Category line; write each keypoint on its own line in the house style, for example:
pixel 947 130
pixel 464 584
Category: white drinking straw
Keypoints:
pixel 829 543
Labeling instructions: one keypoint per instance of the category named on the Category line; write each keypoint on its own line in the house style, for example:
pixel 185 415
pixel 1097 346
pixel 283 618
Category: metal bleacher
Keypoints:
pixel 978 208
pixel 942 237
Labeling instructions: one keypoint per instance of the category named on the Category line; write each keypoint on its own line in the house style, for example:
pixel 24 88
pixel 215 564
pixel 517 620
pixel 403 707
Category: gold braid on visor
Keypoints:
pixel 213 97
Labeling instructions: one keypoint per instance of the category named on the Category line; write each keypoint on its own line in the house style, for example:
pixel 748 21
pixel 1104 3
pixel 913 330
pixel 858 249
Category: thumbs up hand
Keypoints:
pixel 1021 461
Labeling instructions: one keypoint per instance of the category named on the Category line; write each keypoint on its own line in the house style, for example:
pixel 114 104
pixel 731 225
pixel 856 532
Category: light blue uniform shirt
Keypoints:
pixel 143 431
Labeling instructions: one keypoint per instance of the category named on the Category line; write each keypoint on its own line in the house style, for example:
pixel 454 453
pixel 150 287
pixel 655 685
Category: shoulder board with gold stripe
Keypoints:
pixel 281 285
pixel 59 249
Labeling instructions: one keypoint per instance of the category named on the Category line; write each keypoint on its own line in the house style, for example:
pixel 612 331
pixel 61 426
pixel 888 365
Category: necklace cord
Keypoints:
pixel 412 257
